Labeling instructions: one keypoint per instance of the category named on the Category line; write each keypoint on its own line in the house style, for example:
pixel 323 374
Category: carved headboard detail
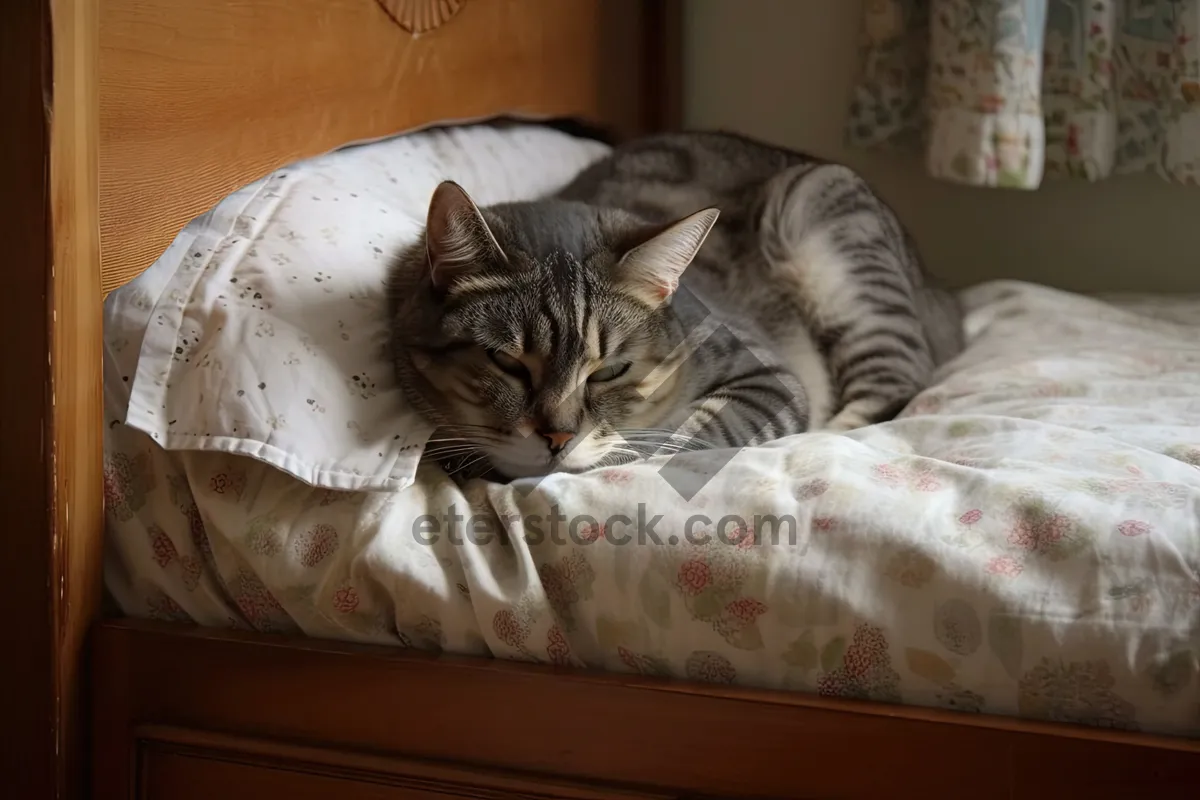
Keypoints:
pixel 420 16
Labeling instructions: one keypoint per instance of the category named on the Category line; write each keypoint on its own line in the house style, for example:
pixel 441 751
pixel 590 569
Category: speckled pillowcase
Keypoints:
pixel 262 332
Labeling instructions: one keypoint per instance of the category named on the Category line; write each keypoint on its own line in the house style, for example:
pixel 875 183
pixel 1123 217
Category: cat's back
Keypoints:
pixel 672 173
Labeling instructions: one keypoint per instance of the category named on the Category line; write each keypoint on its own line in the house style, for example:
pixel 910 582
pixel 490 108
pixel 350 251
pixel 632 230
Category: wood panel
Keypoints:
pixel 77 405
pixel 180 764
pixel 51 405
pixel 27 744
pixel 199 98
pixel 577 726
pixel 662 78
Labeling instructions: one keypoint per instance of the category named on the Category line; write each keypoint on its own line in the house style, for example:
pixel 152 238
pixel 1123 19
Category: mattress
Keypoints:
pixel 1023 540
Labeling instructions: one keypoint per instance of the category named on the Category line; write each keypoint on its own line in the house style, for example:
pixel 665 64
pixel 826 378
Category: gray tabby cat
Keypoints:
pixel 620 319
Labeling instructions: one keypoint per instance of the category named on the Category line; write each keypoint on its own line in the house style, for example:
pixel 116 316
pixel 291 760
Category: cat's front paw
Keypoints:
pixel 846 420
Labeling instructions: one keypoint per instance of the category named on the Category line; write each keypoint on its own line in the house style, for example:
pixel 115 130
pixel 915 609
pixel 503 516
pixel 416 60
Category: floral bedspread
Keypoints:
pixel 1024 540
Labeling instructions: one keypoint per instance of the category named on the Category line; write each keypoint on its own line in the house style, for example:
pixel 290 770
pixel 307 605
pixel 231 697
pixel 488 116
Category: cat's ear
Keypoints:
pixel 457 238
pixel 651 270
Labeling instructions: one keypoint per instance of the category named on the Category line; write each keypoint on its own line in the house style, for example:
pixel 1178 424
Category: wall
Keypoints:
pixel 782 70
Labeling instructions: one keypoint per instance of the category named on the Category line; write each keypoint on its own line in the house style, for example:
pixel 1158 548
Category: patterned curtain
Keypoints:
pixel 1006 92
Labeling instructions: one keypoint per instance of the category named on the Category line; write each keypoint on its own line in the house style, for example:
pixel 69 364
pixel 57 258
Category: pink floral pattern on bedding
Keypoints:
pixel 1024 540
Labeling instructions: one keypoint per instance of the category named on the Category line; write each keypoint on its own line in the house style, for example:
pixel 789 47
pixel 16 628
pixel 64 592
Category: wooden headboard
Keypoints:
pixel 200 97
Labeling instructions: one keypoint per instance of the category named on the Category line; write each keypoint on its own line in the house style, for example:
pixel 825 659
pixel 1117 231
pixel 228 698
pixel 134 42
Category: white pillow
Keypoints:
pixel 263 329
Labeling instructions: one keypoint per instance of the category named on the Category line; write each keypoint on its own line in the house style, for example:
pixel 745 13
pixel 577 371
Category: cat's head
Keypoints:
pixel 539 335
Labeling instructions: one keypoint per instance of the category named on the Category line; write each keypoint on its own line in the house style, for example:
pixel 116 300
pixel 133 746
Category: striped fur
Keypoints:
pixel 803 306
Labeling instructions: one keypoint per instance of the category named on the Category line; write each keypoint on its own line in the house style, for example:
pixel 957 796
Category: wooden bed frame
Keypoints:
pixel 126 118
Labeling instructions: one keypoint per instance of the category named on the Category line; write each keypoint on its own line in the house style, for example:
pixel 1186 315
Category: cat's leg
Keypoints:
pixel 841 257
pixel 739 396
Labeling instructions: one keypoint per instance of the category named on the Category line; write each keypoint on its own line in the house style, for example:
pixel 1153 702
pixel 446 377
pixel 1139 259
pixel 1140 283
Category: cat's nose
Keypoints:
pixel 557 440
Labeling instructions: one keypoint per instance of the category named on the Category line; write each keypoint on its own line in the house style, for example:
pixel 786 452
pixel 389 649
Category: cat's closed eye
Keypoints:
pixel 610 372
pixel 508 364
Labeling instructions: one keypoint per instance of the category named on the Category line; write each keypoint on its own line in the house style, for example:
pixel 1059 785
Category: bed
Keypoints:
pixel 1013 613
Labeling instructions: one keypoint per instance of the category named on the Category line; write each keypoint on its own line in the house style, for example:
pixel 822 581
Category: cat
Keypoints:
pixel 687 291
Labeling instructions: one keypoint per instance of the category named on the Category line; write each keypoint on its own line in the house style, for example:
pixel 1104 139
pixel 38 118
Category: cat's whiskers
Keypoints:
pixel 452 453
pixel 444 439
pixel 462 468
pixel 473 440
pixel 654 449
pixel 665 439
